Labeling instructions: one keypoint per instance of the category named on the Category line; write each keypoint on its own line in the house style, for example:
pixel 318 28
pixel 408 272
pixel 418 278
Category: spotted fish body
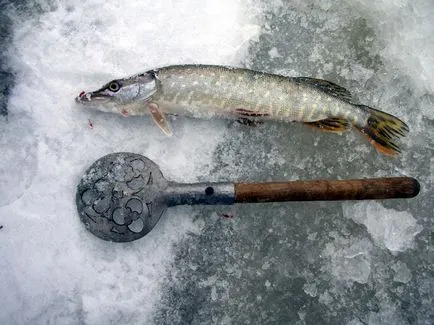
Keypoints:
pixel 215 91
pixel 205 91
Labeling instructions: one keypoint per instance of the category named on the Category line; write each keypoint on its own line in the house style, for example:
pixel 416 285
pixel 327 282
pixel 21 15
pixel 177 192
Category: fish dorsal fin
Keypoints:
pixel 160 119
pixel 328 87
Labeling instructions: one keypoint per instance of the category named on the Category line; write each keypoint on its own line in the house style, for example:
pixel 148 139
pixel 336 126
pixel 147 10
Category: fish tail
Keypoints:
pixel 382 130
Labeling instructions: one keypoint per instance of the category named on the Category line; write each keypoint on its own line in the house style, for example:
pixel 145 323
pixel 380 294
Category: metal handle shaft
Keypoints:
pixel 199 193
pixel 311 190
pixel 328 190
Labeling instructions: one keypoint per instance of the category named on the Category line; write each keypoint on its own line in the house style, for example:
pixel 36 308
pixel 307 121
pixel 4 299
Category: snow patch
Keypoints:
pixel 389 228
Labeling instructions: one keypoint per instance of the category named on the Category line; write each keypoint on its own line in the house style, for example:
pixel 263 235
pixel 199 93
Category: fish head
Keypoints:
pixel 121 95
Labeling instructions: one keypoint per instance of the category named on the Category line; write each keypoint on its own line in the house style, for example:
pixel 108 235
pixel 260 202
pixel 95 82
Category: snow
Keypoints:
pixel 50 264
pixel 389 228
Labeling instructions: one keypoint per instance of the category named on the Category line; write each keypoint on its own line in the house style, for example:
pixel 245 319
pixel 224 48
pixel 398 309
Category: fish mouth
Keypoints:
pixel 91 98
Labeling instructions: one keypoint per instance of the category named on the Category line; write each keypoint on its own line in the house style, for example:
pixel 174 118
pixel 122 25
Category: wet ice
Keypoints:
pixel 402 273
pixel 350 261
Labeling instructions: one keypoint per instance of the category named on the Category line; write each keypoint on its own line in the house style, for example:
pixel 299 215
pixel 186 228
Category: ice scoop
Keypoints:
pixel 122 196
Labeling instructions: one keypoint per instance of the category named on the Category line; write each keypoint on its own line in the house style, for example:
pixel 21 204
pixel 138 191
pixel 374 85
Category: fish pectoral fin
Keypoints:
pixel 160 119
pixel 331 124
pixel 328 87
pixel 249 113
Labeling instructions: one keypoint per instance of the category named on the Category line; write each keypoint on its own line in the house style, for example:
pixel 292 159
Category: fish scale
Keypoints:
pixel 218 92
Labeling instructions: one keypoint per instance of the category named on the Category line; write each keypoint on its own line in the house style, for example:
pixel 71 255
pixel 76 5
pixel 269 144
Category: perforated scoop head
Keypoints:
pixel 117 197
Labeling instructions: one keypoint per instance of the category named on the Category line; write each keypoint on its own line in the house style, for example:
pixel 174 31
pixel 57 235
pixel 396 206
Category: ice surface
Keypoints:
pixel 393 229
pixel 404 29
pixel 6 77
pixel 402 273
pixel 350 261
pixel 311 263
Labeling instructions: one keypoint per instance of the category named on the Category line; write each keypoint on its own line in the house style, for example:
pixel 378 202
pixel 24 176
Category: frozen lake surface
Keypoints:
pixel 298 263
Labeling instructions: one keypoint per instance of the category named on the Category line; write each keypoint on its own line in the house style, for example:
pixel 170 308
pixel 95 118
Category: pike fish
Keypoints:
pixel 206 91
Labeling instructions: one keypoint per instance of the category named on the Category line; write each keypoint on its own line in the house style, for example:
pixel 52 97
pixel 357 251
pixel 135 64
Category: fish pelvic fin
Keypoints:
pixel 382 130
pixel 160 119
pixel 337 125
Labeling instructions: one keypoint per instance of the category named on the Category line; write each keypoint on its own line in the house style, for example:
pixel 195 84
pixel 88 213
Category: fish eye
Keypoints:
pixel 114 86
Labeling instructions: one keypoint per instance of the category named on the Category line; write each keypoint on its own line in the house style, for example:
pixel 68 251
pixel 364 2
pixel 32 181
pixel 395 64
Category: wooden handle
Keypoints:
pixel 328 190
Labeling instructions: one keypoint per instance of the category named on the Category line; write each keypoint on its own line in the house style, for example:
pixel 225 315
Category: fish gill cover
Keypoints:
pixel 349 263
